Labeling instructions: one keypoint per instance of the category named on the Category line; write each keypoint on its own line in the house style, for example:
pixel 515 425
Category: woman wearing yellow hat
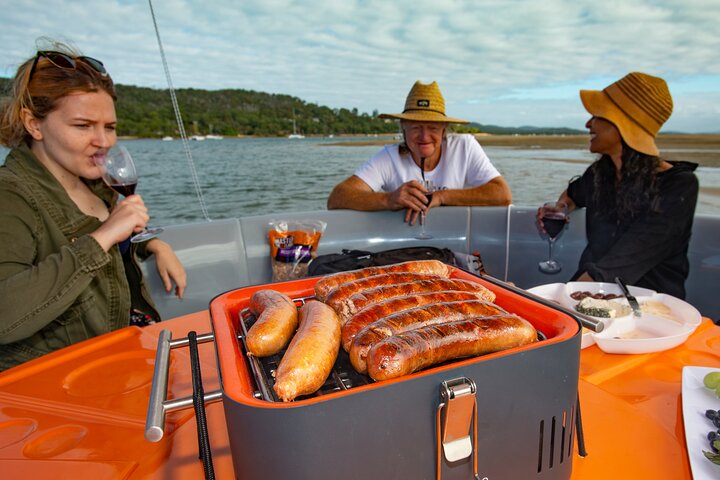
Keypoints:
pixel 456 164
pixel 639 207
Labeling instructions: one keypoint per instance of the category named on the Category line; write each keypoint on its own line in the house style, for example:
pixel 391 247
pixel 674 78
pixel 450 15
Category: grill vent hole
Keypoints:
pixel 552 443
pixel 540 446
pixel 560 436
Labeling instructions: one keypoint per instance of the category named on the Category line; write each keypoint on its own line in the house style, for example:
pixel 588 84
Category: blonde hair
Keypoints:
pixel 39 94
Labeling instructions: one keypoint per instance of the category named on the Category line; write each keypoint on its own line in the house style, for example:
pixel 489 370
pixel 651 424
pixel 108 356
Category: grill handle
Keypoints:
pixel 158 405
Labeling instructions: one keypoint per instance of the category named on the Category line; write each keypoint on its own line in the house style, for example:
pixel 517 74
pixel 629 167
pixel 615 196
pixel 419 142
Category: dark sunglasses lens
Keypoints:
pixel 97 65
pixel 59 59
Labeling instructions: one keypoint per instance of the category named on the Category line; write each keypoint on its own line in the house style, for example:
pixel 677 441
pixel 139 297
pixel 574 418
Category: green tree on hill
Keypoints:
pixel 147 112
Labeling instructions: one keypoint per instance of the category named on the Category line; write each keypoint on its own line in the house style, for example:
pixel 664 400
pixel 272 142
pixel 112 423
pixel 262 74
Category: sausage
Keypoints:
pixel 376 311
pixel 325 284
pixel 338 295
pixel 414 318
pixel 277 319
pixel 312 353
pixel 360 300
pixel 411 351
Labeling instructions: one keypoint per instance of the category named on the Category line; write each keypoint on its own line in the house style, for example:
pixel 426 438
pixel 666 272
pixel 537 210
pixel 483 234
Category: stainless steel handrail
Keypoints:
pixel 158 405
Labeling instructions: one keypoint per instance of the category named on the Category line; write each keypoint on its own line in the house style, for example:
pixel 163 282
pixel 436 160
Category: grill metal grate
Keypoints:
pixel 343 375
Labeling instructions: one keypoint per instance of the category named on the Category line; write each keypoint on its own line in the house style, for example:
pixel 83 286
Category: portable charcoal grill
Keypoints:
pixel 342 377
pixel 506 415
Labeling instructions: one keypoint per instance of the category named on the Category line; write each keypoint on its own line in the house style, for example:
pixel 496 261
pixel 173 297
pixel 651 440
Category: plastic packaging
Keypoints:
pixel 293 244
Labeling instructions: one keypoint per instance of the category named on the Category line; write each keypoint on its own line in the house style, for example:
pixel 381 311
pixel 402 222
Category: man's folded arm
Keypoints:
pixel 354 194
pixel 494 193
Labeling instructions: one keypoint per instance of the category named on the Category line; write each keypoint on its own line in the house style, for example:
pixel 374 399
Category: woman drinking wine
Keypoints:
pixel 639 207
pixel 67 269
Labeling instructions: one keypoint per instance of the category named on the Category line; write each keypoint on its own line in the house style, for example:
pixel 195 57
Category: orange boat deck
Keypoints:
pixel 80 412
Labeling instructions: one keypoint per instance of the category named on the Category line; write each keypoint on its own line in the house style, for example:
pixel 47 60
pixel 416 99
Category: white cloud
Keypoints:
pixel 517 59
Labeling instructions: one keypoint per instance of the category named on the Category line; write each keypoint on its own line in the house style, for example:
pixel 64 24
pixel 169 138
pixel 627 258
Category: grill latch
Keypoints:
pixel 456 414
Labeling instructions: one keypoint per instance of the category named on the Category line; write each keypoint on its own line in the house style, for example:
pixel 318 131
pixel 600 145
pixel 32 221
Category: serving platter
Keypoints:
pixel 696 399
pixel 666 321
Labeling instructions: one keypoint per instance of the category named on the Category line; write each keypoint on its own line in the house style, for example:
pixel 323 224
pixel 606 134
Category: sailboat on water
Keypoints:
pixel 295 134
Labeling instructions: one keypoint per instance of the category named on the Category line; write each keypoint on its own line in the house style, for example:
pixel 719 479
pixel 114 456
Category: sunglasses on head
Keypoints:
pixel 67 62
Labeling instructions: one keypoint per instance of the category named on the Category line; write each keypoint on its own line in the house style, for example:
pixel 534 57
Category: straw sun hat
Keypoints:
pixel 637 104
pixel 424 103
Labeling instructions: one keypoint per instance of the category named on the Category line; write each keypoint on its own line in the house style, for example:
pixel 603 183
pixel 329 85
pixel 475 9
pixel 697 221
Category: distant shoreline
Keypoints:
pixel 703 149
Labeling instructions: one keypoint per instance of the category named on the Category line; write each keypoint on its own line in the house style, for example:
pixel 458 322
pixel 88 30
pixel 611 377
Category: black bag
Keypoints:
pixel 354 259
pixel 339 262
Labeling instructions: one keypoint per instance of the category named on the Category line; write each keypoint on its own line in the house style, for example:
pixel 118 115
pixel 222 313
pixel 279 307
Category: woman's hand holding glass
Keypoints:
pixel 120 174
pixel 127 217
pixel 551 221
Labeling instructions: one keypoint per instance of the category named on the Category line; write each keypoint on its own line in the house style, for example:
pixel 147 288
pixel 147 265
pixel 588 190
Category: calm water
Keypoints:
pixel 243 177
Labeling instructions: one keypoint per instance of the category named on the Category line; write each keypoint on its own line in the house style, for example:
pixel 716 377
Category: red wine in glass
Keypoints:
pixel 553 224
pixel 553 220
pixel 124 189
pixel 120 174
pixel 429 188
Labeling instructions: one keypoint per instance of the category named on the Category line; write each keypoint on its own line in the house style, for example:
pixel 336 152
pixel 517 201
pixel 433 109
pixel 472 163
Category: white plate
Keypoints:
pixel 629 334
pixel 645 334
pixel 556 293
pixel 695 400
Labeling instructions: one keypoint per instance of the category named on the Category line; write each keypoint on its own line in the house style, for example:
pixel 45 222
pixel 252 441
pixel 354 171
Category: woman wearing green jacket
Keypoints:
pixel 67 272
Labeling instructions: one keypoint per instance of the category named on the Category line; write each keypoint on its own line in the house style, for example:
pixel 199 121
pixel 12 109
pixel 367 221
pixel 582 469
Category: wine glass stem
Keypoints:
pixel 551 244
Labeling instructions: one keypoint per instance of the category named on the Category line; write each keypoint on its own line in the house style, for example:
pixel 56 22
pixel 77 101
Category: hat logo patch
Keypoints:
pixel 423 103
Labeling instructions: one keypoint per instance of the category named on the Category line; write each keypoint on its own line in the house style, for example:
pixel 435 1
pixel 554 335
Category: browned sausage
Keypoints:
pixel 276 322
pixel 325 284
pixel 376 311
pixel 413 350
pixel 414 318
pixel 337 296
pixel 360 300
pixel 312 353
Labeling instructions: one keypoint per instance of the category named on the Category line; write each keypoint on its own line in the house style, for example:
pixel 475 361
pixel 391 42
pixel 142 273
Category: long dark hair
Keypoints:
pixel 634 192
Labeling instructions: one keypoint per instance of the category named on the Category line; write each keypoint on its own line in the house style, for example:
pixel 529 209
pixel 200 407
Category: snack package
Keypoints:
pixel 292 245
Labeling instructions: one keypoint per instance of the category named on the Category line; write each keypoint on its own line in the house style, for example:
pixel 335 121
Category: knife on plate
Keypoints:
pixel 630 298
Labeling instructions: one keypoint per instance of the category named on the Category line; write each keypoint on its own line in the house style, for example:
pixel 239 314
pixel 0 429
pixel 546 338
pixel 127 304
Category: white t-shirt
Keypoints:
pixel 463 164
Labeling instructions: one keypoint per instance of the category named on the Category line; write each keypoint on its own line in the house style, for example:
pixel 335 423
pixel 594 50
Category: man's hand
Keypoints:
pixel 410 196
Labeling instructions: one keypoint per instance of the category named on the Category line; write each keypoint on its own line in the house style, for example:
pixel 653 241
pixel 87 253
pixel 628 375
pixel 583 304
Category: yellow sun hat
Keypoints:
pixel 638 104
pixel 424 103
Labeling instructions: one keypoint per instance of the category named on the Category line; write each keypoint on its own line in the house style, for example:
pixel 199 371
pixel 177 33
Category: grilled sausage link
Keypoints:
pixel 360 300
pixel 414 318
pixel 413 350
pixel 312 353
pixel 376 311
pixel 277 319
pixel 433 267
pixel 337 296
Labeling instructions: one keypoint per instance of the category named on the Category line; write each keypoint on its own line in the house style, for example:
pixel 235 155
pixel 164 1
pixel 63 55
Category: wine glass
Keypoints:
pixel 430 188
pixel 120 174
pixel 553 216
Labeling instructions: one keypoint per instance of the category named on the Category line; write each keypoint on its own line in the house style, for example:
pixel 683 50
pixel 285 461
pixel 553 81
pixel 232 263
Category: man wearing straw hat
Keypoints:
pixel 640 207
pixel 398 176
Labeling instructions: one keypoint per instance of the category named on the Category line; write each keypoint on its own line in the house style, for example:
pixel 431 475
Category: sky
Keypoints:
pixel 499 62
